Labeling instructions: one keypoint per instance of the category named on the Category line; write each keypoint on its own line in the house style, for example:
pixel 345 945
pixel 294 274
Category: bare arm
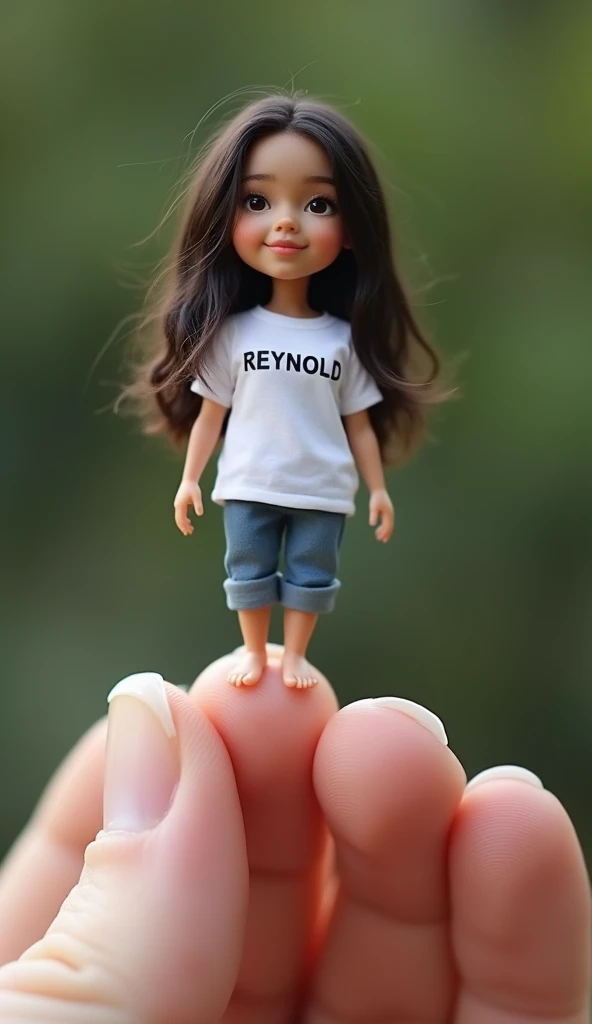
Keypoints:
pixel 205 433
pixel 364 446
pixel 365 449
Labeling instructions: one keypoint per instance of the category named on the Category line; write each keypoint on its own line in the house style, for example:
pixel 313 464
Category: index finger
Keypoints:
pixel 285 832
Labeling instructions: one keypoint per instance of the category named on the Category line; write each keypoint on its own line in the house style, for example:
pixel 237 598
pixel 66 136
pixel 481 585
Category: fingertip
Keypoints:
pixel 514 772
pixel 513 841
pixel 366 744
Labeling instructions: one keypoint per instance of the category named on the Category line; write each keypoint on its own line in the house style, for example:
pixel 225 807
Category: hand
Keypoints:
pixel 438 903
pixel 381 507
pixel 188 494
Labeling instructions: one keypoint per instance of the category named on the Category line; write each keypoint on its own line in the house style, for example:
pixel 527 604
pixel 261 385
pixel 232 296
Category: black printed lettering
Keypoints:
pixel 310 364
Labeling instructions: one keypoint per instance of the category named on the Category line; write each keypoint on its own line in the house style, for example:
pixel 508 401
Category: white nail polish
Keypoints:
pixel 417 711
pixel 506 771
pixel 142 757
pixel 148 687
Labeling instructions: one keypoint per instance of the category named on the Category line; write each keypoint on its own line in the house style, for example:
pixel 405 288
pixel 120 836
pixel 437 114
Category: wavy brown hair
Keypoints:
pixel 207 281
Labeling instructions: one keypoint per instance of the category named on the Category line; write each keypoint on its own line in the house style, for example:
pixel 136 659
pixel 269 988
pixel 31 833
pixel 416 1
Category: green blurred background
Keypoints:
pixel 481 606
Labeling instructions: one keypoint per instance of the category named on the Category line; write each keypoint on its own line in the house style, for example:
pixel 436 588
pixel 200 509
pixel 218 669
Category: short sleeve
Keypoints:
pixel 217 383
pixel 359 390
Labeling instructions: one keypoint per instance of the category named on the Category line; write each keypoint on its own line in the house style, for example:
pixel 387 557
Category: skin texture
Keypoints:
pixel 429 903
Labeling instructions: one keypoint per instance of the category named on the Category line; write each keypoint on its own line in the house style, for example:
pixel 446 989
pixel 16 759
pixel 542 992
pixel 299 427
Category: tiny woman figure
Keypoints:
pixel 287 329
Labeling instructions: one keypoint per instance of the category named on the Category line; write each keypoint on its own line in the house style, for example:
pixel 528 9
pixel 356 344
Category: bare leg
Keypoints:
pixel 298 629
pixel 254 624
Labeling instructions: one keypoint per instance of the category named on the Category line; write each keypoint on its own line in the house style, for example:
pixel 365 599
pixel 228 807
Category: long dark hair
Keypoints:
pixel 207 281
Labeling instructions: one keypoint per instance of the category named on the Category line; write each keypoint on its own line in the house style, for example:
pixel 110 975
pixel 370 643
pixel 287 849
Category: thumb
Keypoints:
pixel 154 929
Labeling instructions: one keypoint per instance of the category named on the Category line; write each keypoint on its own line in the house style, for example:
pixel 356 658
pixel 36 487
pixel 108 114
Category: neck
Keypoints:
pixel 290 298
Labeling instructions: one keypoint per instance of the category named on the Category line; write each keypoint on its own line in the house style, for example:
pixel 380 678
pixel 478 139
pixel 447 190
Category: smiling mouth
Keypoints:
pixel 284 246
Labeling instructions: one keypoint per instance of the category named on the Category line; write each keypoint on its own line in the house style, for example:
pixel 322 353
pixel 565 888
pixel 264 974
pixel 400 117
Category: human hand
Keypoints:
pixel 381 507
pixel 439 903
pixel 189 493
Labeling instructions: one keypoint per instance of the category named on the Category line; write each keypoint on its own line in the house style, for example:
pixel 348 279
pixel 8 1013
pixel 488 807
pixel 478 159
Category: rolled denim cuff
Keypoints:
pixel 248 594
pixel 309 599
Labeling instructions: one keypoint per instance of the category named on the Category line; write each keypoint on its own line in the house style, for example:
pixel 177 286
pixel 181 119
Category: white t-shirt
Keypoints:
pixel 287 382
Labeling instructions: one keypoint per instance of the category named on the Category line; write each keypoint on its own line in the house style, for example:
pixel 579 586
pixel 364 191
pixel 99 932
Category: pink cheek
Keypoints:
pixel 246 235
pixel 329 239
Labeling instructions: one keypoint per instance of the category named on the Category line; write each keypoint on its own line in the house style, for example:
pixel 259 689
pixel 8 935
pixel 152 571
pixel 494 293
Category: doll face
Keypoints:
pixel 287 196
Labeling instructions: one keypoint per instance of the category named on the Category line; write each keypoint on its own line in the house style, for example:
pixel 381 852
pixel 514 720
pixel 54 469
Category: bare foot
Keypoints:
pixel 297 671
pixel 248 669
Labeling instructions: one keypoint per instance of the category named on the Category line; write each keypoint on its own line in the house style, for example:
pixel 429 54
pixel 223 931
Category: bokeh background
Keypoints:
pixel 481 606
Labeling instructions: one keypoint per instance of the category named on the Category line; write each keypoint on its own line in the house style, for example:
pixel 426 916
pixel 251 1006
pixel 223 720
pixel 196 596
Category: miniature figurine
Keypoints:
pixel 286 329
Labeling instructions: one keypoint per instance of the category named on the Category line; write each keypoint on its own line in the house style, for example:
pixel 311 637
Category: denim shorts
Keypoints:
pixel 254 535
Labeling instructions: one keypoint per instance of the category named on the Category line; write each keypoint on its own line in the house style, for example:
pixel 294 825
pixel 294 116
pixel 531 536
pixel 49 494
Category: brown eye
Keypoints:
pixel 254 203
pixel 322 206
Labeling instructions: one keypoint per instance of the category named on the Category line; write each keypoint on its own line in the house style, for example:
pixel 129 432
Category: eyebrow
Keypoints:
pixel 321 179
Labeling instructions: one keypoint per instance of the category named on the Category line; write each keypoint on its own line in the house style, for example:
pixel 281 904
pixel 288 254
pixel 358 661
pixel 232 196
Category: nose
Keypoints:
pixel 286 222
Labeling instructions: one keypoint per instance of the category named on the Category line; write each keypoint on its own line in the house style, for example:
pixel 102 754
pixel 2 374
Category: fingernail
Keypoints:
pixel 142 763
pixel 416 711
pixel 506 771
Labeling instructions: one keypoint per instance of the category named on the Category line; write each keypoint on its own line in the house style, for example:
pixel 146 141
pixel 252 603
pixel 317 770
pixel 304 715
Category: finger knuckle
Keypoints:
pixel 71 963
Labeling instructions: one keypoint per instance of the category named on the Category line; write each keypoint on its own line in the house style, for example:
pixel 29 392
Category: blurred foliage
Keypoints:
pixel 481 605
